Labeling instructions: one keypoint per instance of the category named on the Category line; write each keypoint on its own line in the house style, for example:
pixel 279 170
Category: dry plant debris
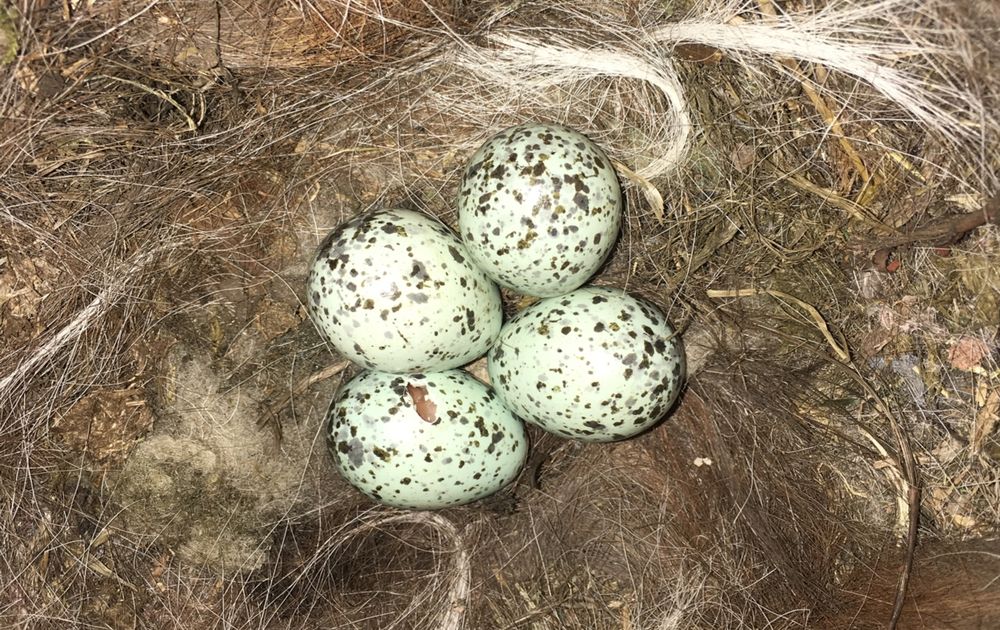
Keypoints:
pixel 169 168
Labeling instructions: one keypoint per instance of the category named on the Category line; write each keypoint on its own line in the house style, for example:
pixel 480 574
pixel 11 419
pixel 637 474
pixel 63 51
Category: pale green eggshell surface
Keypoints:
pixel 384 447
pixel 596 365
pixel 395 290
pixel 539 208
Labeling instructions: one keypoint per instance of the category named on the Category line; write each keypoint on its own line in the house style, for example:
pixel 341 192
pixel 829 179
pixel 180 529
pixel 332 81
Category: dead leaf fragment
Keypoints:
pixel 743 157
pixel 698 53
pixel 967 353
pixel 426 409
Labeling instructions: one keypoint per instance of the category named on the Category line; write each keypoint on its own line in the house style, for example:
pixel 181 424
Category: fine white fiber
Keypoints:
pixel 843 37
pixel 536 64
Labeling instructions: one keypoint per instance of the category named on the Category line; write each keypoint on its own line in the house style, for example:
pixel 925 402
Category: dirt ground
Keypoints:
pixel 812 196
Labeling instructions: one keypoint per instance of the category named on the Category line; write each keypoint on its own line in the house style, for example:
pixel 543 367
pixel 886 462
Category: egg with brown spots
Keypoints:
pixel 424 441
pixel 395 290
pixel 596 365
pixel 539 208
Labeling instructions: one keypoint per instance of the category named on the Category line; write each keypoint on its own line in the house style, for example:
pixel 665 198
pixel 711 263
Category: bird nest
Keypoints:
pixel 811 196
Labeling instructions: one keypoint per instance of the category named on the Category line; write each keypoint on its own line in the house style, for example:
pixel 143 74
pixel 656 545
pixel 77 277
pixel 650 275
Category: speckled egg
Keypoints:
pixel 539 208
pixel 396 291
pixel 596 364
pixel 424 441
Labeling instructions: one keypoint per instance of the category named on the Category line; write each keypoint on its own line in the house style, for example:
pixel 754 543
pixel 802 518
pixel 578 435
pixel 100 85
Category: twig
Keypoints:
pixel 948 230
pixel 942 232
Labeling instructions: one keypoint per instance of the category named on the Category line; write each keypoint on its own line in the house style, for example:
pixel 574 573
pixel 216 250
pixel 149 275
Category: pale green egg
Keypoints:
pixel 539 208
pixel 396 290
pixel 596 365
pixel 424 441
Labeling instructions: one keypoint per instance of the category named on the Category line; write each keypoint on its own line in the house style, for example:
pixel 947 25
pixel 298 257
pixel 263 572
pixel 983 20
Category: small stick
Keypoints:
pixel 944 231
pixel 947 230
pixel 320 375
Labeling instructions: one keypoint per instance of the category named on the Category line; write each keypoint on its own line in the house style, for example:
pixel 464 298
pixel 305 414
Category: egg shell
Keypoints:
pixel 597 365
pixel 539 208
pixel 395 290
pixel 384 444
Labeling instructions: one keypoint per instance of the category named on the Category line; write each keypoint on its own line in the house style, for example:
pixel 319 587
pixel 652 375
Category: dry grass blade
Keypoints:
pixel 649 191
pixel 813 313
pixel 856 210
pixel 191 124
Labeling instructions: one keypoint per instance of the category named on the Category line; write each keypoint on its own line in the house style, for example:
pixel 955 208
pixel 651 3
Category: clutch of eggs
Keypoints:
pixel 539 211
pixel 395 290
pixel 424 441
pixel 596 365
pixel 539 208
